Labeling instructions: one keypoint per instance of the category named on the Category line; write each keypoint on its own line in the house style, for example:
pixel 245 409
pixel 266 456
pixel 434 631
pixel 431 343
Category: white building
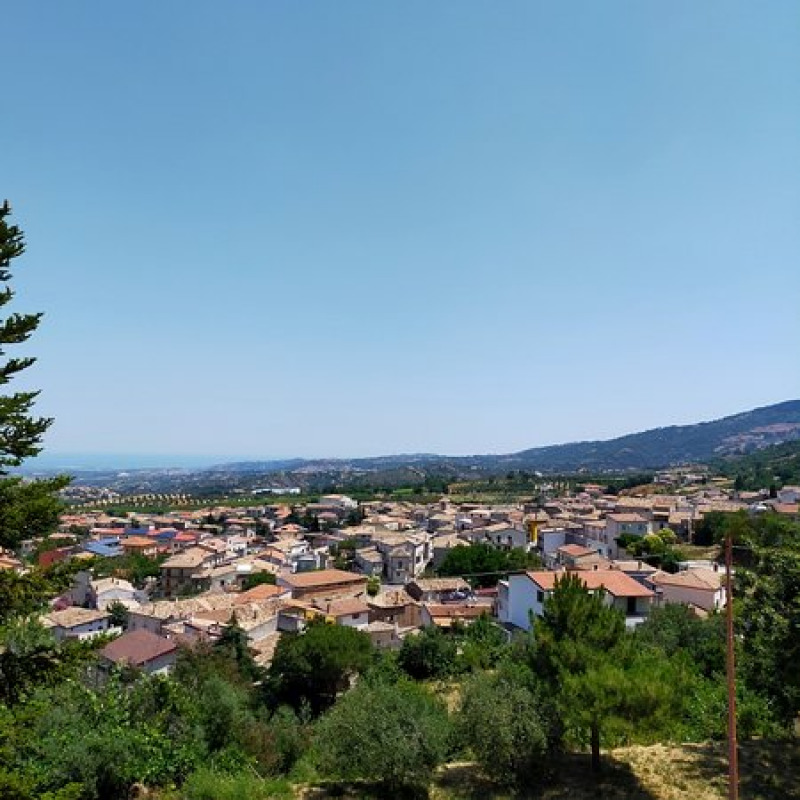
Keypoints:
pixel 76 623
pixel 697 586
pixel 523 596
pixel 102 592
pixel 352 612
pixel 504 536
pixel 143 650
pixel 624 524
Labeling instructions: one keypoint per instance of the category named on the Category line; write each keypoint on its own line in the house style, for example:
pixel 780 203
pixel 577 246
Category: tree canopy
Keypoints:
pixel 27 509
pixel 313 668
pixel 485 563
pixel 392 734
pixel 602 680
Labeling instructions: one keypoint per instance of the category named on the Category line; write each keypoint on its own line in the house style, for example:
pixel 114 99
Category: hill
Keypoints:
pixel 777 464
pixel 715 441
pixel 653 449
pixel 677 444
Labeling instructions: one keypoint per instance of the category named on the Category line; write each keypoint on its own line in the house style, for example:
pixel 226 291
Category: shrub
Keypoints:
pixel 428 654
pixel 208 785
pixel 393 735
pixel 509 727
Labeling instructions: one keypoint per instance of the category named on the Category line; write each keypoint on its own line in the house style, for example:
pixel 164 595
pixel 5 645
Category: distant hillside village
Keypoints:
pixel 172 580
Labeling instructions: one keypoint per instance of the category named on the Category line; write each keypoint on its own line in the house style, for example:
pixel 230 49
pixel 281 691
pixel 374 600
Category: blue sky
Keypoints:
pixel 351 228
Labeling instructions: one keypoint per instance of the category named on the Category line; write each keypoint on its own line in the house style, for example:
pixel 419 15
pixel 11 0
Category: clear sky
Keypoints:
pixel 351 228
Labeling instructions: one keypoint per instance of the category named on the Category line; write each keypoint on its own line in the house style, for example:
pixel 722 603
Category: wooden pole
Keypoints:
pixel 733 762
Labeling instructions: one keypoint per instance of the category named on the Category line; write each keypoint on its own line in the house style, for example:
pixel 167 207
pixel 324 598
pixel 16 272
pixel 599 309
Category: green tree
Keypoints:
pixel 21 595
pixel 118 614
pixel 27 508
pixel 313 668
pixel 235 645
pixel 768 618
pixel 428 654
pixel 509 724
pixel 486 563
pixel 483 643
pixel 258 579
pixel 29 656
pixel 605 685
pixel 675 629
pixel 393 735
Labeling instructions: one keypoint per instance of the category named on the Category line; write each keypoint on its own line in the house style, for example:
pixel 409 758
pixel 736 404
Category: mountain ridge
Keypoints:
pixel 651 449
pixel 658 448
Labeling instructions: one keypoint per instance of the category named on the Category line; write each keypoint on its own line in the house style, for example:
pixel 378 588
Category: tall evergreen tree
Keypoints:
pixel 20 433
pixel 602 682
pixel 26 508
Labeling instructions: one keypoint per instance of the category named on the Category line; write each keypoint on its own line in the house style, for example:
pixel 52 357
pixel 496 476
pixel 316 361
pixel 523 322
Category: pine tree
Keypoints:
pixel 27 508
pixel 20 433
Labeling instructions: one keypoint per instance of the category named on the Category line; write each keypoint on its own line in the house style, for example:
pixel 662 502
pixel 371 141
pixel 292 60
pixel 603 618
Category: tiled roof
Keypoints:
pixel 74 615
pixel 697 578
pixel 343 608
pixel 616 583
pixel 321 578
pixel 138 648
pixel 576 550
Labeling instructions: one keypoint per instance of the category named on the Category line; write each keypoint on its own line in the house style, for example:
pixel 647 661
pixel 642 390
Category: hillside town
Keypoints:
pixel 374 566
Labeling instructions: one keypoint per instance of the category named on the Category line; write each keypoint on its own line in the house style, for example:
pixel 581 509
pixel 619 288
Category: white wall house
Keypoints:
pixel 505 537
pixel 101 593
pixel 76 623
pixel 526 595
pixel 624 524
pixel 352 612
pixel 596 534
pixel 699 587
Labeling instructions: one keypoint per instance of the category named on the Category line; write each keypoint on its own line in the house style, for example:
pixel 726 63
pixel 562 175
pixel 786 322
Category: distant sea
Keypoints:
pixel 123 461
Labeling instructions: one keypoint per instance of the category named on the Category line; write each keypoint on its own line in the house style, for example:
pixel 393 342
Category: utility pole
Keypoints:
pixel 733 761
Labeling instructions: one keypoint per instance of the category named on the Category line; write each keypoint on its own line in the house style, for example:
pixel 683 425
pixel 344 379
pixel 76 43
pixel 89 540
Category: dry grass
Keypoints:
pixel 695 552
pixel 769 771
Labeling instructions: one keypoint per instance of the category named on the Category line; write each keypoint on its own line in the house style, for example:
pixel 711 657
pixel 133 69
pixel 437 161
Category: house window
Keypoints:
pixel 540 596
pixel 631 606
pixel 357 616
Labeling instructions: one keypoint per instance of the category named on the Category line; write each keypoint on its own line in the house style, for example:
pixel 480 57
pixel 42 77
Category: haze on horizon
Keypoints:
pixel 358 229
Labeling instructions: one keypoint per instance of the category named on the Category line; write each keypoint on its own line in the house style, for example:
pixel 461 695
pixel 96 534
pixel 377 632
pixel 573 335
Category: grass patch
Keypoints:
pixel 208 785
pixel 693 552
pixel 768 771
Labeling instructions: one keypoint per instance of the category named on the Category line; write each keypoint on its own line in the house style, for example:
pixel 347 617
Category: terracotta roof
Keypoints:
pixel 616 583
pixel 343 608
pixel 137 541
pixel 632 565
pixel 391 598
pixel 697 578
pixel 188 559
pixel 322 577
pixel 264 591
pixel 576 550
pixel 137 648
pixel 626 517
pixel 451 611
